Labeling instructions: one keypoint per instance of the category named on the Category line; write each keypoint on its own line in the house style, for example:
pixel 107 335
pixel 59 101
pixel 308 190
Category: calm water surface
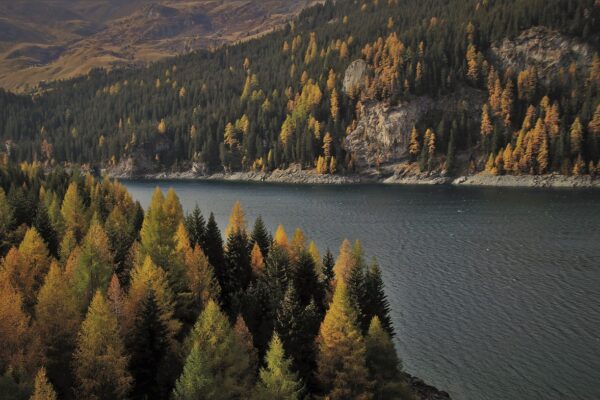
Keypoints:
pixel 495 292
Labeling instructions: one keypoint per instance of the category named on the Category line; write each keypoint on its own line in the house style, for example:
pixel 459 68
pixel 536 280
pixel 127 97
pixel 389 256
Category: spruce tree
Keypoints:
pixel 148 347
pixel 214 248
pixel 261 236
pixel 238 270
pixel 376 303
pixel 328 265
pixel 45 228
pixel 196 227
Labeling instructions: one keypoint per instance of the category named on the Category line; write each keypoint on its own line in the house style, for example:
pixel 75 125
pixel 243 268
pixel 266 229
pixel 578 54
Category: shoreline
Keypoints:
pixel 298 177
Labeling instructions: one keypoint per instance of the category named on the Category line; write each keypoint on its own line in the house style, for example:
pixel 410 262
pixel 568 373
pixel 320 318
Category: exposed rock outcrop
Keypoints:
pixel 355 76
pixel 546 50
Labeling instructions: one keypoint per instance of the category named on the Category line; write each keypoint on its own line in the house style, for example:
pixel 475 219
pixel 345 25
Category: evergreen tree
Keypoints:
pixel 238 270
pixel 100 363
pixel 196 227
pixel 328 266
pixel 43 390
pixel 148 344
pixel 277 379
pixel 34 263
pixel 45 228
pixel 6 222
pixel 57 335
pixel 73 212
pixel 94 265
pixel 217 366
pixel 261 236
pixel 214 248
pixel 377 304
pixel 341 357
pixel 383 363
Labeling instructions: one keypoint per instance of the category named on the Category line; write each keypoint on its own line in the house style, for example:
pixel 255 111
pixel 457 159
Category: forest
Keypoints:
pixel 279 99
pixel 100 299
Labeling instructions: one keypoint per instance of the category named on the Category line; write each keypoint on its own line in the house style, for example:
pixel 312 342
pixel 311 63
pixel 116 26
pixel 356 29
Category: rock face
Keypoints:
pixel 540 47
pixel 383 132
pixel 354 78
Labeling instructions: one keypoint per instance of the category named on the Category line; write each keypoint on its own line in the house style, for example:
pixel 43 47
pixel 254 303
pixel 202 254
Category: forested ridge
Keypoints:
pixel 279 100
pixel 101 300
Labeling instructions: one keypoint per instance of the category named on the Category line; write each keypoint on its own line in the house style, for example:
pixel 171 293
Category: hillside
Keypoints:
pixel 57 39
pixel 385 89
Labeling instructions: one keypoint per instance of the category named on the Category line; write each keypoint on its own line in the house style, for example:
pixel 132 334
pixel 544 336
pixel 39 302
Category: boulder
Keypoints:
pixel 355 76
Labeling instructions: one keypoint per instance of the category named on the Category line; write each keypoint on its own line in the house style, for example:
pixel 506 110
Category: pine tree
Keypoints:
pixel 217 366
pixel 261 236
pixel 43 390
pixel 214 248
pixel 277 380
pixel 196 228
pixel 45 228
pixel 328 267
pixel 341 357
pixel 297 326
pixel 148 344
pixel 100 363
pixel 238 270
pixel 377 304
pixel 383 363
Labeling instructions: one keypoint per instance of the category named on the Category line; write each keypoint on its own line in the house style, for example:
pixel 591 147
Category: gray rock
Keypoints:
pixel 354 78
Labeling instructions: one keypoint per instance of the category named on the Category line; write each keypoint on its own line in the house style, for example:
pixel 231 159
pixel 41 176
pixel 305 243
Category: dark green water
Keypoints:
pixel 495 292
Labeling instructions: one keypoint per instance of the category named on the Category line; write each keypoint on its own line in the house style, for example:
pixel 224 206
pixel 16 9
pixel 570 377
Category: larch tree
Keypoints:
pixel 341 357
pixel 158 232
pixel 14 327
pixel 344 262
pixel 217 366
pixel 383 363
pixel 576 137
pixel 257 260
pixel 277 379
pixel 6 221
pixel 42 388
pixel 414 147
pixel 245 338
pixel 94 267
pixel 144 277
pixel 73 212
pixel 34 262
pixel 57 336
pixel 237 220
pixel 201 280
pixel 281 238
pixel 100 363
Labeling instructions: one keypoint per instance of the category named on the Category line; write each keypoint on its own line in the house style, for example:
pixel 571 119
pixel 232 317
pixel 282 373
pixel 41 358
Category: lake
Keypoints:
pixel 495 292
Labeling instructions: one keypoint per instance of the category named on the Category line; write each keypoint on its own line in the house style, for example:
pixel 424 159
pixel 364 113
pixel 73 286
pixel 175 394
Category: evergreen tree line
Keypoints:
pixel 277 100
pixel 101 300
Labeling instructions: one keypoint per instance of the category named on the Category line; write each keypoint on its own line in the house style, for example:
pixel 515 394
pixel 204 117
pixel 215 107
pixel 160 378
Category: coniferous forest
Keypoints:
pixel 100 299
pixel 279 100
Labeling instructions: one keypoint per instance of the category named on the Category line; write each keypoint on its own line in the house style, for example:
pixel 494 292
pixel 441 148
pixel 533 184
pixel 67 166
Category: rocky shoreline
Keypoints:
pixel 295 175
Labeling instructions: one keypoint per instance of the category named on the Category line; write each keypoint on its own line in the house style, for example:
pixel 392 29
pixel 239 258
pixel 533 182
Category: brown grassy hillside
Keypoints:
pixel 43 40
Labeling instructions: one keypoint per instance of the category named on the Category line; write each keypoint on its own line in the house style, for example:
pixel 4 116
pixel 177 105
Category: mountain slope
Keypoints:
pixel 283 100
pixel 57 39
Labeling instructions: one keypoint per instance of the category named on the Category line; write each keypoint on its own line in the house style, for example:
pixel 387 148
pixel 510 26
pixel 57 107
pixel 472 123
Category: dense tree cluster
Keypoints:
pixel 276 100
pixel 99 300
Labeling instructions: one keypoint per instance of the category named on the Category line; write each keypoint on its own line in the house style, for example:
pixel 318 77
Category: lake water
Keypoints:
pixel 495 292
